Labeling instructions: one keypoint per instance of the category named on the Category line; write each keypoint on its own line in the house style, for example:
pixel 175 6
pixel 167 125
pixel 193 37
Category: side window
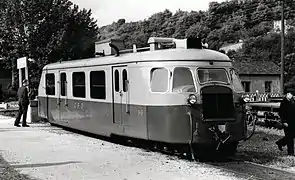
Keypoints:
pixel 63 84
pixel 50 84
pixel 238 87
pixel 124 78
pixel 97 85
pixel 117 78
pixel 159 80
pixel 79 84
pixel 183 80
pixel 246 85
pixel 267 85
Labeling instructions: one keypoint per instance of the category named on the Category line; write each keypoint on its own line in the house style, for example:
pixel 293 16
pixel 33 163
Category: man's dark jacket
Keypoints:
pixel 23 97
pixel 287 112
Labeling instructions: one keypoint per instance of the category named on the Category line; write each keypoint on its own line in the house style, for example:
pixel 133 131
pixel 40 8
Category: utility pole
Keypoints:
pixel 282 46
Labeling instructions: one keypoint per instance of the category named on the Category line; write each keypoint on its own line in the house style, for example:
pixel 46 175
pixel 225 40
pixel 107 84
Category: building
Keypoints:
pixel 263 76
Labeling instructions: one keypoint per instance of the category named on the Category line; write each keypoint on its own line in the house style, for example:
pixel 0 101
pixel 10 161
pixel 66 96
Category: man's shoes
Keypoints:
pixel 279 146
pixel 25 125
pixel 17 125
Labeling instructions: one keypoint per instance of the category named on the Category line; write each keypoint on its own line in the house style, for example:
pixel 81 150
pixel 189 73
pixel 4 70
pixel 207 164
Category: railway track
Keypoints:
pixel 249 170
pixel 237 166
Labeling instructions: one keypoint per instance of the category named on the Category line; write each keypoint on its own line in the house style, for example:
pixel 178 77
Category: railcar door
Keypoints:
pixel 50 85
pixel 120 94
pixel 62 96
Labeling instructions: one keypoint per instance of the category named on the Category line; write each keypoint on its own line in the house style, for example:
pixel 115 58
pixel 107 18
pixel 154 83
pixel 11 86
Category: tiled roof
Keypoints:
pixel 256 67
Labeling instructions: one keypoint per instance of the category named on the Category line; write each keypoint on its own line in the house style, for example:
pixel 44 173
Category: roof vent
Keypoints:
pixel 103 48
pixel 157 43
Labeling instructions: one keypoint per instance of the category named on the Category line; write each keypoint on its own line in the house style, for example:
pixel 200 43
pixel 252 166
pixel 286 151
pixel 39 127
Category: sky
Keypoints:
pixel 108 11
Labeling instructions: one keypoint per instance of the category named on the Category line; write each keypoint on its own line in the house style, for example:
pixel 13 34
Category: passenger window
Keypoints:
pixel 183 80
pixel 97 85
pixel 79 84
pixel 117 85
pixel 124 78
pixel 63 81
pixel 159 80
pixel 50 84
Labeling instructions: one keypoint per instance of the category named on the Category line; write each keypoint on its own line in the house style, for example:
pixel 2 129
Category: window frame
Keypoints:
pixel 124 87
pixel 270 83
pixel 215 68
pixel 168 79
pixel 105 85
pixel 54 80
pixel 117 80
pixel 65 84
pixel 249 86
pixel 192 70
pixel 232 73
pixel 85 84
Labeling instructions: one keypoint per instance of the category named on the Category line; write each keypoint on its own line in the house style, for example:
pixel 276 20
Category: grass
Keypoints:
pixel 261 149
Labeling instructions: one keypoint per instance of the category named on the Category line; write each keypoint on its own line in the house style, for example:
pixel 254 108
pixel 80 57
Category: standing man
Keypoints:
pixel 23 103
pixel 287 115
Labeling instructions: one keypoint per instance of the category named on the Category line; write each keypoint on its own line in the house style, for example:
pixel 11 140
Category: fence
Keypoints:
pixel 261 97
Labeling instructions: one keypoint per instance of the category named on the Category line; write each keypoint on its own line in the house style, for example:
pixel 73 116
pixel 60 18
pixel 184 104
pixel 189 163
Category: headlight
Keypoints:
pixel 192 99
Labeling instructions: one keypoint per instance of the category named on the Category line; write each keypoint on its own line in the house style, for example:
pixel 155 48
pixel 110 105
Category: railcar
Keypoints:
pixel 174 92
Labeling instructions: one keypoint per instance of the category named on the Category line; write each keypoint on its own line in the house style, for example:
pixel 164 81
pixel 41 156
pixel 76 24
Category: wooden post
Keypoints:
pixel 282 46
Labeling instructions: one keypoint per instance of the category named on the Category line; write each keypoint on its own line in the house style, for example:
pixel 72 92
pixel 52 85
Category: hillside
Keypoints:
pixel 223 23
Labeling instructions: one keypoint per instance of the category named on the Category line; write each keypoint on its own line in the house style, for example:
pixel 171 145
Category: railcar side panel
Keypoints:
pixel 133 116
pixel 42 107
pixel 168 124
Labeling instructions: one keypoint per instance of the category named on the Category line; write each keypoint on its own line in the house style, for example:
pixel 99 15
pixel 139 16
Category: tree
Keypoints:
pixel 197 30
pixel 46 31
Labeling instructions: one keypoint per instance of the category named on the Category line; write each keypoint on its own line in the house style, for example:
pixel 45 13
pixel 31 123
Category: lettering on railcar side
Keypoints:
pixel 140 112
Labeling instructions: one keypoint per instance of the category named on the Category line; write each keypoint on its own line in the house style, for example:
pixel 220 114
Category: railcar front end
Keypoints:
pixel 206 109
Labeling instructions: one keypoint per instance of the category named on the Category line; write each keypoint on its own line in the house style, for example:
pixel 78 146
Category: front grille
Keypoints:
pixel 217 103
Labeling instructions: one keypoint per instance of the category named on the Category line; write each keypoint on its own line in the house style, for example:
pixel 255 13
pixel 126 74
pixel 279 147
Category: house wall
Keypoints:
pixel 257 82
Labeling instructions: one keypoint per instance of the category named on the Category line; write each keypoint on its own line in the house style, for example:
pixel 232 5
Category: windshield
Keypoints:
pixel 183 80
pixel 238 87
pixel 212 75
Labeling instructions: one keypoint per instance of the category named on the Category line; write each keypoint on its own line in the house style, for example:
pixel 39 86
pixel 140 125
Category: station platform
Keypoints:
pixel 47 152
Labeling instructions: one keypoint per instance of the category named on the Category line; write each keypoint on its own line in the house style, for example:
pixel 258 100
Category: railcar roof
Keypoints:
pixel 159 55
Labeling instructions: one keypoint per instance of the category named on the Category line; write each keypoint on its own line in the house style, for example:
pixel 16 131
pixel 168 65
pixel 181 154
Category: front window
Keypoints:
pixel 212 75
pixel 183 80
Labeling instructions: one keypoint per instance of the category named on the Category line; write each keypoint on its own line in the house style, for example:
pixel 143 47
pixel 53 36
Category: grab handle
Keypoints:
pixel 127 97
